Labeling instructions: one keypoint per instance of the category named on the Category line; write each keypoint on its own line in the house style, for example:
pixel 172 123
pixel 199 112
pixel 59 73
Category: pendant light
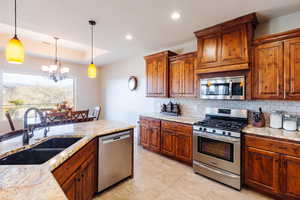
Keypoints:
pixel 92 70
pixel 56 71
pixel 15 50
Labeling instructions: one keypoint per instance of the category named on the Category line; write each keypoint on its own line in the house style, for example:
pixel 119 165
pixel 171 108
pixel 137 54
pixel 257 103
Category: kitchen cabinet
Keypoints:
pixel 177 141
pixel 78 175
pixel 262 169
pixel 291 176
pixel 168 138
pixel 292 68
pixel 268 71
pixel 150 133
pixel 226 46
pixel 182 75
pixel 157 74
pixel 277 66
pixel 272 165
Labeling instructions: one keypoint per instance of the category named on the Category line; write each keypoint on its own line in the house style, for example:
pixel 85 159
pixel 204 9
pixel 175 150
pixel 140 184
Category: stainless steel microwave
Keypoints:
pixel 223 88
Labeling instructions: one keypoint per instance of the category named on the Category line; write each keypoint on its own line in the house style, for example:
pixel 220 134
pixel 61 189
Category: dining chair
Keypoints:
pixel 80 116
pixel 11 124
pixel 95 113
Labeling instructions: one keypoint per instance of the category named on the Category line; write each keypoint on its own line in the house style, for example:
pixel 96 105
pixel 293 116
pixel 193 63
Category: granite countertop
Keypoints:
pixel 180 119
pixel 272 132
pixel 37 181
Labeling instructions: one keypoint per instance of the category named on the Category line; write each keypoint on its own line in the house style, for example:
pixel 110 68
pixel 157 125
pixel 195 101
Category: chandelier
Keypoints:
pixel 56 71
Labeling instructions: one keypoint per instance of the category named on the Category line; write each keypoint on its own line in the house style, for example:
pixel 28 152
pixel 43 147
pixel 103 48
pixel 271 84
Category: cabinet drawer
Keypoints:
pixel 147 121
pixel 284 147
pixel 64 171
pixel 177 127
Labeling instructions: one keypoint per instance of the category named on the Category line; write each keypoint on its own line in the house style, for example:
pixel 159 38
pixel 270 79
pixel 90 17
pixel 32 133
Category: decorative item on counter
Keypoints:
pixel 290 122
pixel 259 119
pixel 276 119
pixel 171 109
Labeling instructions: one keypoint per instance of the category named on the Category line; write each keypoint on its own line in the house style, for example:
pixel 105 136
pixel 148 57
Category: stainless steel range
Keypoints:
pixel 217 145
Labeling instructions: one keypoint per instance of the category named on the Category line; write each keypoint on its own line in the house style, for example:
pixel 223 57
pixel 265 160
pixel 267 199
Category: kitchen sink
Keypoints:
pixel 40 153
pixel 30 157
pixel 57 143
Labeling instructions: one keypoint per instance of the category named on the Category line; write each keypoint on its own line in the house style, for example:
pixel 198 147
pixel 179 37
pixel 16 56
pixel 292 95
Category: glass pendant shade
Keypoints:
pixel 92 71
pixel 15 51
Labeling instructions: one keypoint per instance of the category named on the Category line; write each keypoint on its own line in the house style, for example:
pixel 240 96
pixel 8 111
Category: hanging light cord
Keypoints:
pixel 15 18
pixel 92 44
pixel 56 60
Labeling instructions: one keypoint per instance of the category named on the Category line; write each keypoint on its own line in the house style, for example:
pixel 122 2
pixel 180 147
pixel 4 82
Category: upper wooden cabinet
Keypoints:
pixel 225 47
pixel 277 66
pixel 182 75
pixel 157 69
pixel 268 71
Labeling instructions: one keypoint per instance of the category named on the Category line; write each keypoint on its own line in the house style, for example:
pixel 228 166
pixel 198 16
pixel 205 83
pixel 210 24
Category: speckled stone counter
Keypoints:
pixel 180 119
pixel 36 182
pixel 274 133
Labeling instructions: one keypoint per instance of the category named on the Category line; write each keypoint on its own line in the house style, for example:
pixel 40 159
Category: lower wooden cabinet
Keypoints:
pixel 272 166
pixel 169 138
pixel 291 176
pixel 262 169
pixel 78 175
pixel 168 142
pixel 150 133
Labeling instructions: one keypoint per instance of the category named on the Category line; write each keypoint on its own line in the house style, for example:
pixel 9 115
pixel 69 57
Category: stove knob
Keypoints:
pixel 204 129
pixel 214 131
pixel 229 134
pixel 224 133
pixel 200 128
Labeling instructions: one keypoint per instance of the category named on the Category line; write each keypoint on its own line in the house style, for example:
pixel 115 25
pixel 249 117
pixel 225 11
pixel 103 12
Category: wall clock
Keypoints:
pixel 132 83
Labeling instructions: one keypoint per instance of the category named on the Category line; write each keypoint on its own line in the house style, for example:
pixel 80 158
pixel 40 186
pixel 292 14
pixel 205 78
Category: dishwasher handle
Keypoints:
pixel 115 138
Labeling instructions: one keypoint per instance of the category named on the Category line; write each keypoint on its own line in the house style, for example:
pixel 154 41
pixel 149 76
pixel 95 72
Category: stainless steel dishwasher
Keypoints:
pixel 115 158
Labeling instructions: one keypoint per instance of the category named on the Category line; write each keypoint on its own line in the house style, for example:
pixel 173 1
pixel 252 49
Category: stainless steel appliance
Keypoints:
pixel 217 145
pixel 223 88
pixel 114 158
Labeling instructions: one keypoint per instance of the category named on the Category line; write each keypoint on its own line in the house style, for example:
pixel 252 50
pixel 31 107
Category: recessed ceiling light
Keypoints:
pixel 175 16
pixel 128 37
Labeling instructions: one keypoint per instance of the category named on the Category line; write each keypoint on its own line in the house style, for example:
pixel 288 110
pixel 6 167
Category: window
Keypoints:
pixel 22 91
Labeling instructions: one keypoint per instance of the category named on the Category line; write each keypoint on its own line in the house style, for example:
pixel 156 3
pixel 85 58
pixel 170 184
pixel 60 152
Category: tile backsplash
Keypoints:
pixel 196 107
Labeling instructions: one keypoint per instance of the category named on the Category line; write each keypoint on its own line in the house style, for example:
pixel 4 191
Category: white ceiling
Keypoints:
pixel 147 20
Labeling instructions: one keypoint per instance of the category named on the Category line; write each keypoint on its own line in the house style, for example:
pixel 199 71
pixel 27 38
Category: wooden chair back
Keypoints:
pixel 80 116
pixel 95 113
pixel 11 124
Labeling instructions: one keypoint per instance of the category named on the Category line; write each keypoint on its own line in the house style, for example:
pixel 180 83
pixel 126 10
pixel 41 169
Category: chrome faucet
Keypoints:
pixel 28 128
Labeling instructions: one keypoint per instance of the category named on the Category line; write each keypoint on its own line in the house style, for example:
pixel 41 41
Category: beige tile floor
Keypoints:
pixel 157 177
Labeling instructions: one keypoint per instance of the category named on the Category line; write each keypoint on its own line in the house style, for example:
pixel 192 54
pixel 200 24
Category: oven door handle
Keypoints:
pixel 216 137
pixel 215 170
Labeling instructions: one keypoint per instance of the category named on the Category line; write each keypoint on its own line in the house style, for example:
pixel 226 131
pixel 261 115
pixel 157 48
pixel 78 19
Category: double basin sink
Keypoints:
pixel 40 153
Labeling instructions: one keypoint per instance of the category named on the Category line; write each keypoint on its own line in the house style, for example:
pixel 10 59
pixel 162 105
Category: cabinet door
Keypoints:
pixel 168 142
pixel 234 45
pixel 162 77
pixel 184 147
pixel 88 178
pixel 292 68
pixel 208 50
pixel 175 78
pixel 291 176
pixel 262 169
pixel 144 136
pixel 188 77
pixel 154 138
pixel 151 71
pixel 268 71
pixel 70 187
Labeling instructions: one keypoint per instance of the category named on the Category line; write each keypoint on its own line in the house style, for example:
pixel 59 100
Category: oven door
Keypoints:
pixel 219 151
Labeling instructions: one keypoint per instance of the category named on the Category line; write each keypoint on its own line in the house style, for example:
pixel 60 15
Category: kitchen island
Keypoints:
pixel 38 181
